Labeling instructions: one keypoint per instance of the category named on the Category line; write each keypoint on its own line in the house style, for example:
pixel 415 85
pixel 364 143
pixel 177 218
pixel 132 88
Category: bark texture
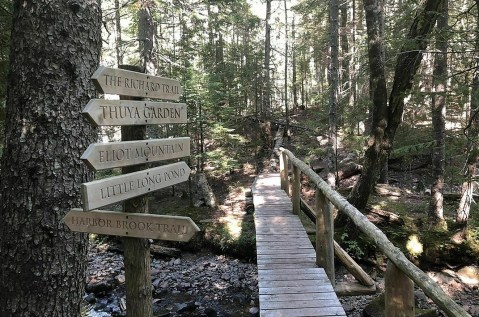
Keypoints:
pixel 386 120
pixel 54 51
pixel 471 131
pixel 378 92
pixel 436 209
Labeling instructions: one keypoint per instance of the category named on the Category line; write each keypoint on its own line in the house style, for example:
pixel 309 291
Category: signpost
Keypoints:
pixel 102 112
pixel 107 191
pixel 127 83
pixel 99 156
pixel 135 225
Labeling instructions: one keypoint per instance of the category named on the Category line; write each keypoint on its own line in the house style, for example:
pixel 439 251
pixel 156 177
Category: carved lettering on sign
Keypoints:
pixel 100 156
pixel 118 188
pixel 138 225
pixel 129 112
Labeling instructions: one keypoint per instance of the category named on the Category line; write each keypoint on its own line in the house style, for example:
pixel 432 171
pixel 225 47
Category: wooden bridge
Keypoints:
pixel 296 280
pixel 290 282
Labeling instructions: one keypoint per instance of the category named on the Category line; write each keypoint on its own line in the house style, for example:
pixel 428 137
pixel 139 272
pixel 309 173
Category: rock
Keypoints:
pixel 120 279
pixel 254 311
pixel 186 307
pixel 90 298
pixel 177 262
pixel 99 287
pixel 210 312
pixel 469 275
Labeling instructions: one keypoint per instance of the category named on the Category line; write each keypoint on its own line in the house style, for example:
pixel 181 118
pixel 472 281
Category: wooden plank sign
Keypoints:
pixel 102 112
pixel 124 82
pixel 136 225
pixel 99 156
pixel 103 192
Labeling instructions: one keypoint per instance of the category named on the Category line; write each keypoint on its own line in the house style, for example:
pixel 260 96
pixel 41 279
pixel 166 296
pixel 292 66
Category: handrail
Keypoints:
pixel 430 288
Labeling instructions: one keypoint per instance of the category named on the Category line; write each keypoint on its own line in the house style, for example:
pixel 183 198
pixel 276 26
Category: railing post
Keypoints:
pixel 296 190
pixel 286 174
pixel 325 235
pixel 283 172
pixel 399 293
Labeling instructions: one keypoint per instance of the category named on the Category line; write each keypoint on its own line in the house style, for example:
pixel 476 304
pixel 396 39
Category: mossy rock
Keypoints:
pixel 376 309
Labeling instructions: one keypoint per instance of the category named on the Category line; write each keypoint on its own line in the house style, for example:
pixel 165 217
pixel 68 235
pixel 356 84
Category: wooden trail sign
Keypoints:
pixel 135 225
pixel 107 191
pixel 99 156
pixel 134 84
pixel 102 112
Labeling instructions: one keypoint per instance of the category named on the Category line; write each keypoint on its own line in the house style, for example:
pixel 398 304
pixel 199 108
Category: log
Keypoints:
pixel 161 252
pixel 380 216
pixel 429 286
pixel 349 169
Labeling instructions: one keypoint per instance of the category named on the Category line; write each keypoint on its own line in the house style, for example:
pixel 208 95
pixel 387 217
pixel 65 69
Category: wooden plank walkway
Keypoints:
pixel 290 283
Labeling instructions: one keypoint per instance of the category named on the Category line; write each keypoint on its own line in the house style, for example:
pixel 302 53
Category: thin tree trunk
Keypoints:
pixel 286 106
pixel 436 210
pixel 333 91
pixel 266 110
pixel 118 43
pixel 42 271
pixel 146 31
pixel 345 90
pixel 471 132
pixel 295 84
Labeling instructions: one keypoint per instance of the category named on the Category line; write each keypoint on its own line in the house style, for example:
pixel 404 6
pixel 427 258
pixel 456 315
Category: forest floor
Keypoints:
pixel 215 273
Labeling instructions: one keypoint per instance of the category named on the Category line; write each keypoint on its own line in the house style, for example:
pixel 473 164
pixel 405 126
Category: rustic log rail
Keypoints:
pixel 401 273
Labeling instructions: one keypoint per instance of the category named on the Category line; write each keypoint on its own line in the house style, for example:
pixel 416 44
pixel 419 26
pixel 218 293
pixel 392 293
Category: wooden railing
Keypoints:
pixel 400 275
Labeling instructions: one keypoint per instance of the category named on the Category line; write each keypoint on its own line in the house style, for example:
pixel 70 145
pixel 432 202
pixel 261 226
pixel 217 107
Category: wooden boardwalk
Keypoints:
pixel 290 283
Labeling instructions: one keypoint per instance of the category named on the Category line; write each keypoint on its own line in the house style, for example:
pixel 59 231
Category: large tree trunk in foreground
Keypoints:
pixel 383 132
pixel 55 50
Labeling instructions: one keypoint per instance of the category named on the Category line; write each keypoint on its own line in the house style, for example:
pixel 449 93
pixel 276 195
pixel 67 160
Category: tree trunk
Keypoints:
pixel 54 51
pixel 286 106
pixel 118 43
pixel 365 184
pixel 333 79
pixel 436 210
pixel 471 131
pixel 384 128
pixel 146 32
pixel 266 110
pixel 345 67
pixel 295 84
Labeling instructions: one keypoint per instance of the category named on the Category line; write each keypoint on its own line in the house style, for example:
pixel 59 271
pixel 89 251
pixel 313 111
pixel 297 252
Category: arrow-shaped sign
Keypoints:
pixel 149 226
pixel 107 191
pixel 127 83
pixel 101 112
pixel 99 156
